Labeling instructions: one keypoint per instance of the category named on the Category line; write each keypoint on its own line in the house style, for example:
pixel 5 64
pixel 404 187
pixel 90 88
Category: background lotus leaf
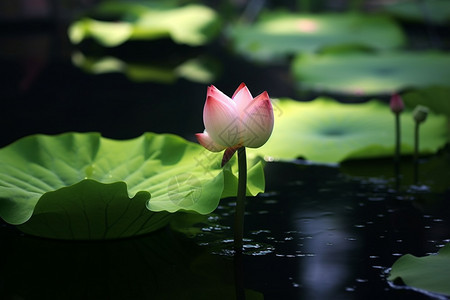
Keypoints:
pixel 435 11
pixel 278 34
pixel 326 131
pixel 84 186
pixel 193 24
pixel 430 273
pixel 369 74
pixel 435 98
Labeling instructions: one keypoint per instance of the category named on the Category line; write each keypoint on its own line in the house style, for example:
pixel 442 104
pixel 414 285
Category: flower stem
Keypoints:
pixel 397 136
pixel 416 153
pixel 397 150
pixel 239 223
pixel 240 200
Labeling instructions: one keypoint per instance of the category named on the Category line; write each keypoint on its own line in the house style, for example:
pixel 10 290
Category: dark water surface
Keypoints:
pixel 322 234
pixel 319 232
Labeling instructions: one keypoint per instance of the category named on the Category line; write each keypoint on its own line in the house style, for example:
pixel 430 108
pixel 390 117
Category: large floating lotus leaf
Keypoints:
pixel 108 211
pixel 279 34
pixel 84 186
pixel 368 74
pixel 430 273
pixel 436 11
pixel 327 131
pixel 196 69
pixel 192 25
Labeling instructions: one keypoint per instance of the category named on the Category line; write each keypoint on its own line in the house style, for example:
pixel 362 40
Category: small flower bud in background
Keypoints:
pixel 396 104
pixel 420 113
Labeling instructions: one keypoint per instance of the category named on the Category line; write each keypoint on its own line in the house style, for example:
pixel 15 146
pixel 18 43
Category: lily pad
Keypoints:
pixel 369 74
pixel 279 34
pixel 326 131
pixel 84 186
pixel 198 69
pixel 193 24
pixel 435 11
pixel 430 273
pixel 435 98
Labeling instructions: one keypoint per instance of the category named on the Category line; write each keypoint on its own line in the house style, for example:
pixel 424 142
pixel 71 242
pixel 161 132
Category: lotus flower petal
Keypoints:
pixel 228 154
pixel 205 140
pixel 221 121
pixel 243 98
pixel 218 94
pixel 258 121
pixel 241 86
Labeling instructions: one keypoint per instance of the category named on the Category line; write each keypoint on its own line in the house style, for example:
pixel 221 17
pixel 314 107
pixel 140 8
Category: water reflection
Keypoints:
pixel 200 68
pixel 156 266
pixel 323 276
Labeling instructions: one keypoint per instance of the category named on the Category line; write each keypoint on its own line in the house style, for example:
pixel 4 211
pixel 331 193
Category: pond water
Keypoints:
pixel 319 232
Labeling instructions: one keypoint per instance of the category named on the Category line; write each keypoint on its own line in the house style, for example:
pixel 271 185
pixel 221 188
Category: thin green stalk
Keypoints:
pixel 240 199
pixel 416 152
pixel 416 142
pixel 239 224
pixel 397 150
pixel 397 137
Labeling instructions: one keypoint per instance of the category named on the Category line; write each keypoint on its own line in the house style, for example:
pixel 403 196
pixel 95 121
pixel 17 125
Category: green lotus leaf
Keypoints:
pixel 369 74
pixel 435 98
pixel 198 69
pixel 326 131
pixel 279 34
pixel 430 273
pixel 193 25
pixel 84 186
pixel 106 33
pixel 435 11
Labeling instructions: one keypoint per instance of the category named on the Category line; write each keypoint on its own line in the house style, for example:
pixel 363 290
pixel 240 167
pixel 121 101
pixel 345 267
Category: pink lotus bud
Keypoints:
pixel 396 104
pixel 239 121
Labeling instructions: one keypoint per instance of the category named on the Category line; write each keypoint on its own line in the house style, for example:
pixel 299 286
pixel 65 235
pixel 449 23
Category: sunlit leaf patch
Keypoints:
pixel 326 131
pixel 369 73
pixel 192 24
pixel 279 34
